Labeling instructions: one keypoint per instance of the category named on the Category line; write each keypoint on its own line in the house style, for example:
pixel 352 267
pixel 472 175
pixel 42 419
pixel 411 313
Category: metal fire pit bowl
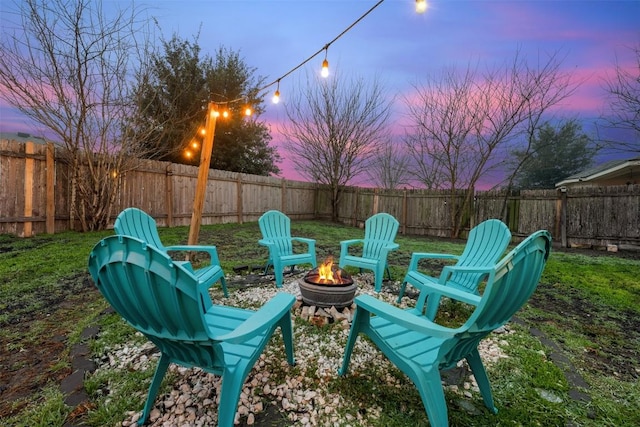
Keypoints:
pixel 338 295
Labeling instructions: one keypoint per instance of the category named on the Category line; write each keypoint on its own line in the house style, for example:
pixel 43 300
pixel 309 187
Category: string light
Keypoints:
pixel 421 7
pixel 276 95
pixel 325 64
pixel 324 48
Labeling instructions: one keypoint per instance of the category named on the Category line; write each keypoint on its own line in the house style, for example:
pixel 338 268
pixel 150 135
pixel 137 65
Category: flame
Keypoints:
pixel 326 274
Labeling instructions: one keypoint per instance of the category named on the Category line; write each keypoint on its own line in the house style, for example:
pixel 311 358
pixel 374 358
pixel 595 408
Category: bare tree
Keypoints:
pixel 462 122
pixel 335 127
pixel 624 89
pixel 68 67
pixel 390 166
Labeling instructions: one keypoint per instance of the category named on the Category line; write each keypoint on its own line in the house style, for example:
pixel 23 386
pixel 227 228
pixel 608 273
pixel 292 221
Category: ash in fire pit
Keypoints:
pixel 327 286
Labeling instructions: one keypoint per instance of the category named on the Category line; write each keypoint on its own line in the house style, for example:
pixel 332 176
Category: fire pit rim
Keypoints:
pixel 347 280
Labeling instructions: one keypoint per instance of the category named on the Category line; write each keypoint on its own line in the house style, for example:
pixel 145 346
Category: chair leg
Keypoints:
pixel 479 372
pixel 430 387
pixel 403 287
pixel 223 282
pixel 266 267
pixel 232 383
pixel 379 276
pixel 359 323
pixel 278 274
pixel 161 369
pixel 433 303
pixel 287 337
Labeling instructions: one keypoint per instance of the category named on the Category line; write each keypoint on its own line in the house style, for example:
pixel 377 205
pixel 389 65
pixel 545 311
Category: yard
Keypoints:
pixel 570 358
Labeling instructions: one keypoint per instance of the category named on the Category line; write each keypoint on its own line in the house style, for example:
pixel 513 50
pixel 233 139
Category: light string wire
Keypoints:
pixel 323 48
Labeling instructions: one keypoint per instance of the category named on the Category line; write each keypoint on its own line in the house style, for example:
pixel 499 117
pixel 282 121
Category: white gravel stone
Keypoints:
pixel 195 394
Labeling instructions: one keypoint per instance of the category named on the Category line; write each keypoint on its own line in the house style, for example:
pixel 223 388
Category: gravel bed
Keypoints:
pixel 300 393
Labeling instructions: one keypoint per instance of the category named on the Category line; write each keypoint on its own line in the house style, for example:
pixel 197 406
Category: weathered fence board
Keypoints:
pixel 34 193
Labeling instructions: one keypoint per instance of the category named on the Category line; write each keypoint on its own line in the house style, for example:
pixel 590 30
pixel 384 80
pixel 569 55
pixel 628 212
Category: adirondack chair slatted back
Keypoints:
pixel 379 231
pixel 155 295
pixel 486 243
pixel 276 227
pixel 137 223
pixel 516 278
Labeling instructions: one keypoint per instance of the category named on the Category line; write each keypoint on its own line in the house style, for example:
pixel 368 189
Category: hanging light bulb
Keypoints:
pixel 421 6
pixel 248 111
pixel 225 114
pixel 325 69
pixel 276 95
pixel 325 65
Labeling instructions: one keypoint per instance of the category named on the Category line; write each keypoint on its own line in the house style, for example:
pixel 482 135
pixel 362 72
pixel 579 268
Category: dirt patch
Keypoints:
pixel 34 351
pixel 612 334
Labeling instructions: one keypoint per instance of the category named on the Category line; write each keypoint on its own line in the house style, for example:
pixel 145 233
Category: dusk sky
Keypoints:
pixel 398 45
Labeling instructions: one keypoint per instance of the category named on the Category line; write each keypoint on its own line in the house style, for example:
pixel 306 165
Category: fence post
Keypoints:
pixel 169 195
pixel 283 196
pixel 404 211
pixel 561 217
pixel 51 186
pixel 239 190
pixel 28 189
pixel 376 201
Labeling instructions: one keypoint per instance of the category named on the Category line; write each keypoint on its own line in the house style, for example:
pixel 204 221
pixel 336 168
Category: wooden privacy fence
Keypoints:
pixel 34 199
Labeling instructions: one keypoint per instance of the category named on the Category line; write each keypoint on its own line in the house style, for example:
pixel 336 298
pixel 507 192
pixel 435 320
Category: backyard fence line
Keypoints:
pixel 35 199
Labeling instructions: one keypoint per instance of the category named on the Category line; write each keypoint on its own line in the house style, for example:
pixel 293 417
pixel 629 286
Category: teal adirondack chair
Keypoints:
pixel 379 233
pixel 276 236
pixel 421 348
pixel 486 244
pixel 172 308
pixel 137 223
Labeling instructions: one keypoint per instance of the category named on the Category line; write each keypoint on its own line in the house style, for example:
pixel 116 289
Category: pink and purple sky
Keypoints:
pixel 397 45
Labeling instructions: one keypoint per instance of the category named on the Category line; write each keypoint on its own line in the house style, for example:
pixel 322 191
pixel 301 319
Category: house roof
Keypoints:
pixel 22 137
pixel 612 172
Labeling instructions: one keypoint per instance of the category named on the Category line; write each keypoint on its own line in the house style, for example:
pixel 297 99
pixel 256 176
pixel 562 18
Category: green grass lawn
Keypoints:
pixel 584 320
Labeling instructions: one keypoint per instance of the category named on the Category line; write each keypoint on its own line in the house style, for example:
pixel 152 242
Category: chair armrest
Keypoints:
pixel 274 249
pixel 402 317
pixel 304 240
pixel 388 248
pixel 311 243
pixel 344 245
pixel 417 256
pixel 211 250
pixel 262 319
pixel 439 289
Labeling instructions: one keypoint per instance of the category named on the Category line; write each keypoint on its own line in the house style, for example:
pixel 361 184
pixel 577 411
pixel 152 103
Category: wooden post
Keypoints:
pixel 203 174
pixel 404 211
pixel 239 200
pixel 283 196
pixel 376 200
pixel 169 195
pixel 563 218
pixel 28 189
pixel 51 189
